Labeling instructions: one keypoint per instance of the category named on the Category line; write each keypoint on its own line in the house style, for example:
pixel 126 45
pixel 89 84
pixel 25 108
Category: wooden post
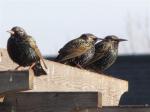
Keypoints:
pixel 46 89
pixel 131 108
pixel 13 81
pixel 5 107
pixel 52 101
pixel 70 79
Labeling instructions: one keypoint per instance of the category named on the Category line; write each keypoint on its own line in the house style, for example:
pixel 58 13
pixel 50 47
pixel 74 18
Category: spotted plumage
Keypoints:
pixel 23 50
pixel 106 53
pixel 78 51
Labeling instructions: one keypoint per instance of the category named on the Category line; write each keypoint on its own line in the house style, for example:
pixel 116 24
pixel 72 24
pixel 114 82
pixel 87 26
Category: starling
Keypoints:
pixel 106 53
pixel 79 51
pixel 23 50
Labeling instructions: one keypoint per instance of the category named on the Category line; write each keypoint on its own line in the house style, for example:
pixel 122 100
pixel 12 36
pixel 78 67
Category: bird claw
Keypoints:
pixel 79 66
pixel 17 68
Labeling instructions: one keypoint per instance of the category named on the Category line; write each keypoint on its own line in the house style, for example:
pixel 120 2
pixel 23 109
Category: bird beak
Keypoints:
pixel 11 32
pixel 120 40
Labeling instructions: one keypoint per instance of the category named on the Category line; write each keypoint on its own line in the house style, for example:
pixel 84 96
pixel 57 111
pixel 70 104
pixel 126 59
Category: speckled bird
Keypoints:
pixel 106 53
pixel 79 51
pixel 23 50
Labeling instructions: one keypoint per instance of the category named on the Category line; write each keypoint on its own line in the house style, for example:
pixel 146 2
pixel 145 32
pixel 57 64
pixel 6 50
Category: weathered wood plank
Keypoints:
pixel 70 79
pixel 12 81
pixel 53 102
pixel 6 63
pixel 117 109
pixel 89 110
pixel 5 107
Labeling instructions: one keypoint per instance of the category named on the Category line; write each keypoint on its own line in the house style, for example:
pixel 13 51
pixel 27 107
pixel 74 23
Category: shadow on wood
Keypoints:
pixel 117 109
pixel 5 107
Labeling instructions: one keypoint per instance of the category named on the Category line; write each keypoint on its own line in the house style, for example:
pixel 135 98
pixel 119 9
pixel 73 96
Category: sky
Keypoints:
pixel 53 23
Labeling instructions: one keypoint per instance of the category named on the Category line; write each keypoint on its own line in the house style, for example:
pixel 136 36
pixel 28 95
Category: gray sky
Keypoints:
pixel 54 22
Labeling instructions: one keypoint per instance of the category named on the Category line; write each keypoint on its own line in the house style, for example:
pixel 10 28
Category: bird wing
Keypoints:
pixel 73 49
pixel 33 45
pixel 100 51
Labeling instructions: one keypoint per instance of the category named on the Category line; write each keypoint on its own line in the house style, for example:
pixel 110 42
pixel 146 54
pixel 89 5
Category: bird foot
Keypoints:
pixel 33 64
pixel 17 68
pixel 79 66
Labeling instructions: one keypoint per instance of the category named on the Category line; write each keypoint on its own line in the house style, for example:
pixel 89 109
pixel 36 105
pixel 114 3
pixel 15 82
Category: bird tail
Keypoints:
pixel 58 58
pixel 39 70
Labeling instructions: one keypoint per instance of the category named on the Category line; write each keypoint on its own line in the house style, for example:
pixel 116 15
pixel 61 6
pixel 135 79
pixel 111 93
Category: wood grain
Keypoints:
pixel 131 108
pixel 5 107
pixel 52 102
pixel 70 79
pixel 13 81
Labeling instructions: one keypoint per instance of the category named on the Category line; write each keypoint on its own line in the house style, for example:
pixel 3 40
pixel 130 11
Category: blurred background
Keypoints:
pixel 54 22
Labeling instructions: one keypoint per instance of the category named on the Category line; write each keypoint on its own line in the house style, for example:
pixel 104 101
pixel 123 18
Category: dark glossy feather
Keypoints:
pixel 105 55
pixel 23 51
pixel 78 51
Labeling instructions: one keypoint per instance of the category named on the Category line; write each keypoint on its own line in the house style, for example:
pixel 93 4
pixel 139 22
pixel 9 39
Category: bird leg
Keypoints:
pixel 17 67
pixel 78 65
pixel 33 64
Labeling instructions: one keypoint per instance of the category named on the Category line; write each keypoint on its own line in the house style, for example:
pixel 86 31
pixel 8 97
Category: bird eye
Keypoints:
pixel 84 37
pixel 21 31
